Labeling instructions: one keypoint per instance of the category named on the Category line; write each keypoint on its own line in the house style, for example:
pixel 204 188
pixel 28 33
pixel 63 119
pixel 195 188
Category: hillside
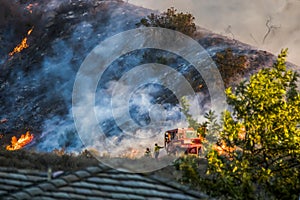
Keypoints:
pixel 36 84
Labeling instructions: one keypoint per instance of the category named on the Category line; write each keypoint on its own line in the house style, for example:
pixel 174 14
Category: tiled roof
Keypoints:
pixel 99 182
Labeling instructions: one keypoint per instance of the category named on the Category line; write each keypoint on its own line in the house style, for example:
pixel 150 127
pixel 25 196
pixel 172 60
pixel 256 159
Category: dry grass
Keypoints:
pixel 27 159
pixel 60 160
pixel 139 165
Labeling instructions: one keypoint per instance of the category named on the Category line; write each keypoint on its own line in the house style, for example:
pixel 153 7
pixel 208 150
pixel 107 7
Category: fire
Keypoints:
pixel 21 142
pixel 223 149
pixel 134 153
pixel 30 6
pixel 130 153
pixel 22 45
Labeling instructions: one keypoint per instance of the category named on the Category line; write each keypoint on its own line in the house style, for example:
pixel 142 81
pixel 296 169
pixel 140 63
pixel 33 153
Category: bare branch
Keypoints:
pixel 228 31
pixel 270 28
pixel 253 38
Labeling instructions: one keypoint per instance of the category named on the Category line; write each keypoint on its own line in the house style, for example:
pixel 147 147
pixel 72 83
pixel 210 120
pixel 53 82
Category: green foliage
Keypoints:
pixel 171 20
pixel 260 140
pixel 213 126
pixel 189 165
pixel 185 110
pixel 212 129
pixel 229 64
pixel 266 160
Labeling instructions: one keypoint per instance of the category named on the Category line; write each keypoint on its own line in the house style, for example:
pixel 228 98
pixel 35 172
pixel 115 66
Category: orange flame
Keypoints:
pixel 21 142
pixel 223 149
pixel 134 153
pixel 22 45
pixel 30 6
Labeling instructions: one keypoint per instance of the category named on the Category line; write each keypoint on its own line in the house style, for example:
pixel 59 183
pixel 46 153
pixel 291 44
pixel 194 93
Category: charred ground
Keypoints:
pixel 36 84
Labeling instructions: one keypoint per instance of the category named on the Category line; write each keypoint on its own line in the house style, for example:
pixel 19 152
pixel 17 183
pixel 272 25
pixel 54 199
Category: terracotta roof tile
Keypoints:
pixel 178 196
pixel 100 180
pixel 13 176
pixel 77 196
pixel 37 178
pixel 92 183
pixel 120 196
pixel 123 189
pixel 95 198
pixel 42 198
pixel 6 187
pixel 145 192
pixel 82 174
pixel 132 196
pixel 47 186
pixel 83 191
pixel 83 184
pixel 20 195
pixel 93 170
pixel 34 191
pixel 100 193
pixel 108 188
pixel 70 178
pixel 163 188
pixel 60 195
pixel 12 182
pixel 133 184
pixel 59 182
pixel 67 189
pixel 154 193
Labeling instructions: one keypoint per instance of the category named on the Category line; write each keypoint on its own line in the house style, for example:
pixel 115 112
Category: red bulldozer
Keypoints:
pixel 183 140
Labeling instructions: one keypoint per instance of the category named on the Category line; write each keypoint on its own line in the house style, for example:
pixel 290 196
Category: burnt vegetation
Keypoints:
pixel 56 160
pixel 30 95
pixel 230 65
pixel 61 39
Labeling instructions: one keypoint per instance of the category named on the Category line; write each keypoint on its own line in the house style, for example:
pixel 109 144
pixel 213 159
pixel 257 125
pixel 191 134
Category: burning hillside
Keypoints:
pixel 17 144
pixel 38 73
pixel 22 45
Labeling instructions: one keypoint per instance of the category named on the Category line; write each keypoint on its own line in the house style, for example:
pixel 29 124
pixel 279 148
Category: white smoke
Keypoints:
pixel 244 20
pixel 133 136
pixel 58 130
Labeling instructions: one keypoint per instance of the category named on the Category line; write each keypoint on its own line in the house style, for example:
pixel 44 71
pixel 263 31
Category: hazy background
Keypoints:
pixel 244 20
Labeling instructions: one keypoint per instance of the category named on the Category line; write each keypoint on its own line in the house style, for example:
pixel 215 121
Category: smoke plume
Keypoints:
pixel 245 21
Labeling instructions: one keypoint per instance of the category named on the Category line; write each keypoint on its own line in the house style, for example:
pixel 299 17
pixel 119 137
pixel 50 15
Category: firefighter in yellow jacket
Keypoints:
pixel 147 153
pixel 156 150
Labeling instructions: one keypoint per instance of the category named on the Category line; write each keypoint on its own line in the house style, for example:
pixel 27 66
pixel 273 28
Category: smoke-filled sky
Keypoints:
pixel 244 20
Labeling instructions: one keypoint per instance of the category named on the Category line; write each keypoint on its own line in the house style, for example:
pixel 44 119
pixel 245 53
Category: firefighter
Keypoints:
pixel 156 150
pixel 147 153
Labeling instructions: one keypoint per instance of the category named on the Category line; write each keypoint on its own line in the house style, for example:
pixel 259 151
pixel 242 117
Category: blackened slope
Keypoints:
pixel 36 84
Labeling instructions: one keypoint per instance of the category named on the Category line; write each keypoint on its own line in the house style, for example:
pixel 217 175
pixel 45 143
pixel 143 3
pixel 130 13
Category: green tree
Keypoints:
pixel 211 131
pixel 182 22
pixel 185 108
pixel 264 131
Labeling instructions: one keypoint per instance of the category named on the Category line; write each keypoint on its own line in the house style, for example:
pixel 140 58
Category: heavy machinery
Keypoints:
pixel 183 140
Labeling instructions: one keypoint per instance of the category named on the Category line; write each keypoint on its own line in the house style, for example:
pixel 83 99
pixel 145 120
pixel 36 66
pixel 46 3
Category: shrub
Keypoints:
pixel 260 139
pixel 182 22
